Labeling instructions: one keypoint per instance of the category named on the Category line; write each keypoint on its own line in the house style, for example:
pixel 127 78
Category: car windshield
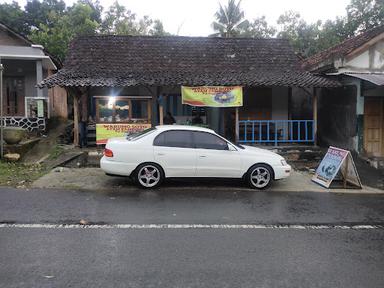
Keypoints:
pixel 137 135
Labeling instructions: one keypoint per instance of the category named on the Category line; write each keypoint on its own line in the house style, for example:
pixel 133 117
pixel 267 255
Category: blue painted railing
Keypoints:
pixel 276 131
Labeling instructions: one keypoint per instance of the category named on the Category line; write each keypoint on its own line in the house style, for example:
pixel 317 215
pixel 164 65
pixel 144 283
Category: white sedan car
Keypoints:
pixel 187 151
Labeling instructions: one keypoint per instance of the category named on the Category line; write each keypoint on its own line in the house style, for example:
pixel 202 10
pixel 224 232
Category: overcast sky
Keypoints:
pixel 194 17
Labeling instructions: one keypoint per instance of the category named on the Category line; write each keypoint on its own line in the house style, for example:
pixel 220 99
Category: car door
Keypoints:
pixel 174 151
pixel 215 157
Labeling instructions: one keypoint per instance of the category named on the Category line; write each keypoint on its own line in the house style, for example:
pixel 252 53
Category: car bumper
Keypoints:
pixel 282 172
pixel 115 167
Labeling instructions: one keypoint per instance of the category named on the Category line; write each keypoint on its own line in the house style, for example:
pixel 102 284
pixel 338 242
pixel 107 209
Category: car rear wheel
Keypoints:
pixel 149 175
pixel 259 176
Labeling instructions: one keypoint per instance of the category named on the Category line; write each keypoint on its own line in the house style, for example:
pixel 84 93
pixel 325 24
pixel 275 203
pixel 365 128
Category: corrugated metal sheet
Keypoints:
pixel 13 51
pixel 377 79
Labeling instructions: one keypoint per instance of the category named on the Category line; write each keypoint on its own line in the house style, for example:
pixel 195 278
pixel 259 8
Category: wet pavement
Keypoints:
pixel 187 205
pixel 92 179
pixel 225 257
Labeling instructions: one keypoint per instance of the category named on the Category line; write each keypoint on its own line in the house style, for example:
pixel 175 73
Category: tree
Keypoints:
pixel 13 16
pixel 76 22
pixel 158 29
pixel 229 20
pixel 121 21
pixel 259 28
pixel 44 12
pixel 332 33
pixel 302 36
pixel 365 14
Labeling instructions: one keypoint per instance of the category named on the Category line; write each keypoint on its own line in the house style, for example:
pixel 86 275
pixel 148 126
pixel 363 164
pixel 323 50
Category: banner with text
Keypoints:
pixel 213 96
pixel 106 131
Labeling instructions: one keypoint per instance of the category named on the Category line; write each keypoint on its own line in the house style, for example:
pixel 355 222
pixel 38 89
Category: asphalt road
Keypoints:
pixel 278 255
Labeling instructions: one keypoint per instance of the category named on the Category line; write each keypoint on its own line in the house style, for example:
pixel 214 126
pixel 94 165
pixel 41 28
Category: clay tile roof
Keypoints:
pixel 342 49
pixel 173 60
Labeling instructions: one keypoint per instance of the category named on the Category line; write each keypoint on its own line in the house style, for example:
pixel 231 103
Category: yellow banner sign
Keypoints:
pixel 213 96
pixel 106 131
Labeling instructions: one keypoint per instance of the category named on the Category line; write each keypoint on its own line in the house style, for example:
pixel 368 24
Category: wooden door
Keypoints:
pixel 374 126
pixel 13 99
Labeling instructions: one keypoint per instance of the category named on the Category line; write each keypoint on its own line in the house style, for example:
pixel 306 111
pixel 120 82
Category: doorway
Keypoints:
pixel 14 98
pixel 374 126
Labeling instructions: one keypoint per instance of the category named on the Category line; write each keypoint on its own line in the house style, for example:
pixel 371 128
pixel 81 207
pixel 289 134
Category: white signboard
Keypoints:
pixel 333 161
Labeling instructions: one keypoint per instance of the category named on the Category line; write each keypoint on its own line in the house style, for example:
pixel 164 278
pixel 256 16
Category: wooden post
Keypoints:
pixel 75 119
pixel 161 114
pixel 237 125
pixel 314 104
pixel 84 105
pixel 345 176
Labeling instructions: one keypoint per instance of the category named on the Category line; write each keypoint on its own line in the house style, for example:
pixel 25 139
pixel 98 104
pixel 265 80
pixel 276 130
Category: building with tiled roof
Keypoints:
pixel 25 64
pixel 158 61
pixel 358 63
pixel 152 70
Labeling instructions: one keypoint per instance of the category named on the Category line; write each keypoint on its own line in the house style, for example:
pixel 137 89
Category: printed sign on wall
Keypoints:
pixel 213 96
pixel 106 131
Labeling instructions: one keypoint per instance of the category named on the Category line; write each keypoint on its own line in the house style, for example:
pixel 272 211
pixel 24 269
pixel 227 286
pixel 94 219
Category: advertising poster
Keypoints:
pixel 213 96
pixel 40 108
pixel 329 166
pixel 106 131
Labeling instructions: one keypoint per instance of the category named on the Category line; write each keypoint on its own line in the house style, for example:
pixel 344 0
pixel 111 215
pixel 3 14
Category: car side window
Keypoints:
pixel 174 138
pixel 205 140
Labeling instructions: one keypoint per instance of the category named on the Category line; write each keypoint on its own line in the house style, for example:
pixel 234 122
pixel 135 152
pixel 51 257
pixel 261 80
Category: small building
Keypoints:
pixel 352 116
pixel 25 65
pixel 137 79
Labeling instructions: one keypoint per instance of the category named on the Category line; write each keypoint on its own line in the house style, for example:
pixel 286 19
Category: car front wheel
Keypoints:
pixel 149 175
pixel 259 176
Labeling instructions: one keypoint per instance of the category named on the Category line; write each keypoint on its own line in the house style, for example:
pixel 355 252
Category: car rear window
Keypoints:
pixel 137 135
pixel 174 138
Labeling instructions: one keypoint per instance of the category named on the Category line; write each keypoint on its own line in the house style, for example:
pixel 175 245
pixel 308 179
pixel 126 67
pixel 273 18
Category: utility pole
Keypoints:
pixel 2 122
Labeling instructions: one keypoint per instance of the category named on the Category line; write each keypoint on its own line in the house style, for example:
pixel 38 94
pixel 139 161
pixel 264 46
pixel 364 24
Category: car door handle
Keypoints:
pixel 202 156
pixel 160 154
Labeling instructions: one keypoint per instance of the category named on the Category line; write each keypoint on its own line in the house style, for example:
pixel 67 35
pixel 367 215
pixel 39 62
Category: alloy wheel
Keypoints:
pixel 260 177
pixel 149 176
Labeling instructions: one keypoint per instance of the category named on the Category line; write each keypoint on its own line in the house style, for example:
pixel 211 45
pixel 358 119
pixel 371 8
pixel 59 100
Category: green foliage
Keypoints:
pixel 229 20
pixel 76 22
pixel 365 14
pixel 13 16
pixel 121 21
pixel 259 28
pixel 53 25
pixel 303 36
pixel 38 13
pixel 306 38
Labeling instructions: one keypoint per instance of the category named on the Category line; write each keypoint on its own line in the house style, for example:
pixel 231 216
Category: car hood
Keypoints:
pixel 260 151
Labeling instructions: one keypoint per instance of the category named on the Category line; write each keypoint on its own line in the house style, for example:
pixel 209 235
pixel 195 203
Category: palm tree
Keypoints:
pixel 230 20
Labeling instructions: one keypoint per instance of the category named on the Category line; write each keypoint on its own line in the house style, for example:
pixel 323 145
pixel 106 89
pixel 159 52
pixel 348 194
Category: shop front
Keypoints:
pixel 116 116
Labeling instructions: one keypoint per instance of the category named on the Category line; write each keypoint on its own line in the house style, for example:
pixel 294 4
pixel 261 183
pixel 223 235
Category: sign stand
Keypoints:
pixel 334 161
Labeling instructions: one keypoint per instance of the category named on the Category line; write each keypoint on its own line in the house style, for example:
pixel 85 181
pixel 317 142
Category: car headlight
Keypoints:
pixel 283 162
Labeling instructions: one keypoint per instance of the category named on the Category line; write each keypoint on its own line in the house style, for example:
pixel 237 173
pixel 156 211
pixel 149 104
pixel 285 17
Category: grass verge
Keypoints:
pixel 19 175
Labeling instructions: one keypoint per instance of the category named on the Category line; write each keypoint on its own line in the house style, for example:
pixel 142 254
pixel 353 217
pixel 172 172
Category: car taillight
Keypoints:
pixel 108 152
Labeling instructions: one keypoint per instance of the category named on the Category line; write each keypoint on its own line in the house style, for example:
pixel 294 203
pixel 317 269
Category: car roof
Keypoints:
pixel 183 127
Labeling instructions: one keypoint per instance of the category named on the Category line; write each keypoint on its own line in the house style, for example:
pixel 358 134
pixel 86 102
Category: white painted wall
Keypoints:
pixel 361 61
pixel 372 58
